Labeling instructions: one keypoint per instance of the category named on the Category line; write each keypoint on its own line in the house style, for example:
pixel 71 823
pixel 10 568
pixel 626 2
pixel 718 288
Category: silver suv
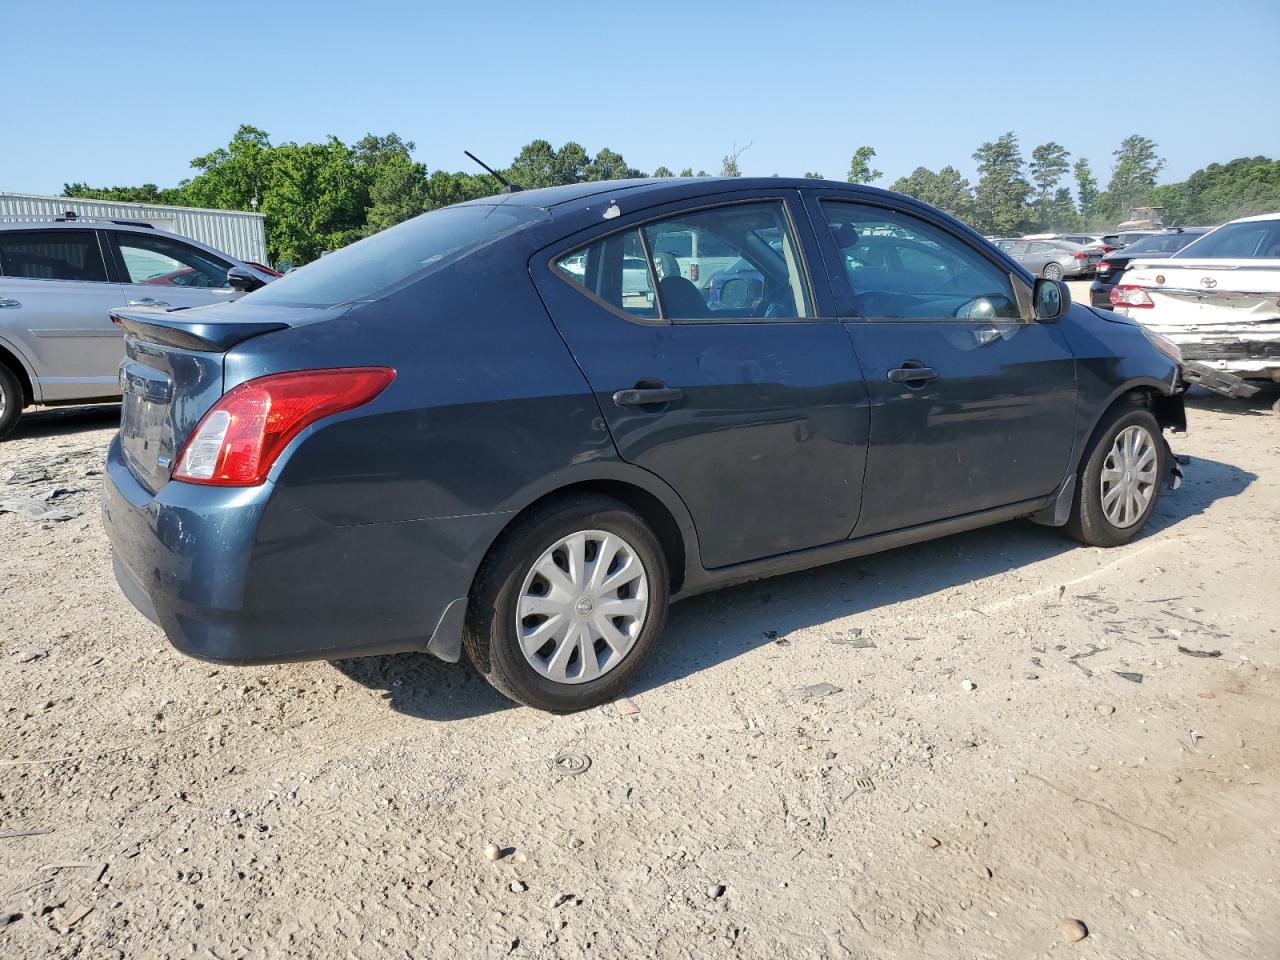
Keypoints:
pixel 60 278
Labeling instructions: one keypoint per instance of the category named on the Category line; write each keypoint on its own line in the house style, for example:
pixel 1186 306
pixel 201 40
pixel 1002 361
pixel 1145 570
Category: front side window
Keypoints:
pixel 51 255
pixel 901 267
pixel 735 262
pixel 161 262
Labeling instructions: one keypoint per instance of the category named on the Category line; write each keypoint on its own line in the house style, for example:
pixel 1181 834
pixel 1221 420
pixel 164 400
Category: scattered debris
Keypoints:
pixel 1131 677
pixel 32 653
pixel 570 764
pixel 31 832
pixel 627 707
pixel 63 922
pixel 1073 931
pixel 1031 676
pixel 715 891
pixel 864 784
pixel 933 843
pixel 1209 695
pixel 1209 654
pixel 969 685
pixel 519 886
pixel 1195 738
pixel 1106 709
pixel 492 851
pixel 818 690
pixel 34 509
pixel 853 638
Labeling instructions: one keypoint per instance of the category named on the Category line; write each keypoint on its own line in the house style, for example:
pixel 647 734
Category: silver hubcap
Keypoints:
pixel 3 400
pixel 582 607
pixel 1129 477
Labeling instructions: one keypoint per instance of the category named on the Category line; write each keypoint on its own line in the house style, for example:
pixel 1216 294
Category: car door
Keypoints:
pixel 55 303
pixel 973 403
pixel 163 272
pixel 738 389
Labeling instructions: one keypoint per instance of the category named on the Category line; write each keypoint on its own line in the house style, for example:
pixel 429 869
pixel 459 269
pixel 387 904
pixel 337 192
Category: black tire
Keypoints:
pixel 1052 271
pixel 12 400
pixel 1089 523
pixel 491 636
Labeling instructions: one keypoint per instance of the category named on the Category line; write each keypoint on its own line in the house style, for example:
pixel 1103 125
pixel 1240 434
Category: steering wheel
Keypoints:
pixel 776 295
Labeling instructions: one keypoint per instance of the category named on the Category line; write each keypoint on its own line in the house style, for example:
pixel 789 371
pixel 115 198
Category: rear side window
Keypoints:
pixel 52 255
pixel 616 271
pixel 733 262
pixel 901 267
pixel 373 265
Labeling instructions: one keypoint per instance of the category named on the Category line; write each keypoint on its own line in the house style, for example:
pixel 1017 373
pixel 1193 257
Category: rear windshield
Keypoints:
pixel 1255 239
pixel 1165 243
pixel 364 269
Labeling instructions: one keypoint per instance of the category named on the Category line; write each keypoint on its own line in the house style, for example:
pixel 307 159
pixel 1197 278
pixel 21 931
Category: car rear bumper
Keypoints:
pixel 245 575
pixel 1100 294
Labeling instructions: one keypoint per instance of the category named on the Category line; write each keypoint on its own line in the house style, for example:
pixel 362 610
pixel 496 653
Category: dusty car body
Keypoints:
pixel 469 430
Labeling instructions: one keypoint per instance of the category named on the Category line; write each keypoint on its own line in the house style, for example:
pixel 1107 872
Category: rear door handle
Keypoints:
pixel 912 375
pixel 148 302
pixel 8 303
pixel 647 396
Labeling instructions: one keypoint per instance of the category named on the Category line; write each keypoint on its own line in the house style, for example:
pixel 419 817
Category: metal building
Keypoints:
pixel 238 233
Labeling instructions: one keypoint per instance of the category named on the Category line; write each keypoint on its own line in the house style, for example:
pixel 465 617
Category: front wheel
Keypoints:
pixel 1052 271
pixel 568 605
pixel 11 401
pixel 1124 467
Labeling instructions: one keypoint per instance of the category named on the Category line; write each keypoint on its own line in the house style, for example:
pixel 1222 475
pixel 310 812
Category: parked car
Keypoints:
pixel 59 280
pixel 448 436
pixel 1113 265
pixel 1093 240
pixel 1055 259
pixel 1218 297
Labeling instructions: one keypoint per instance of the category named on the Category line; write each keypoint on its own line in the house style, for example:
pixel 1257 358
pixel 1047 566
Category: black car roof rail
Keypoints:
pixel 72 217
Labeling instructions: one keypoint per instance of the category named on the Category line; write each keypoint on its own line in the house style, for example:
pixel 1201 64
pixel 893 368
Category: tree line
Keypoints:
pixel 321 196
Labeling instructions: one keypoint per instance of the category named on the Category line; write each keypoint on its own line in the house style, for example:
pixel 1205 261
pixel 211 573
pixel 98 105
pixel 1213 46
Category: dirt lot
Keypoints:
pixel 1015 739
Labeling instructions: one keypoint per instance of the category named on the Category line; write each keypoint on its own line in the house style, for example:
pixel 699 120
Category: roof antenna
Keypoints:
pixel 507 185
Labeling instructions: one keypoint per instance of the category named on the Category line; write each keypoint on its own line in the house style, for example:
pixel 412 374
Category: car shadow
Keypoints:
pixel 65 421
pixel 717 627
pixel 1260 404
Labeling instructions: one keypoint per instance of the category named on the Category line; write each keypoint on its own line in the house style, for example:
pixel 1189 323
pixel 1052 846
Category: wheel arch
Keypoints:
pixel 10 358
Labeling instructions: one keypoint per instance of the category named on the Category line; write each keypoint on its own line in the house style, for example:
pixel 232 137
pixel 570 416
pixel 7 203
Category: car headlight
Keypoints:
pixel 1163 344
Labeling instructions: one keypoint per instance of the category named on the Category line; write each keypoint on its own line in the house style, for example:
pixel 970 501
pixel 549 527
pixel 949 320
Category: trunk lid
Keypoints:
pixel 173 373
pixel 1209 295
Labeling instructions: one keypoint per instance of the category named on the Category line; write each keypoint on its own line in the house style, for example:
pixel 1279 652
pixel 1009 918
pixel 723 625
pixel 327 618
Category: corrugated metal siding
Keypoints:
pixel 240 234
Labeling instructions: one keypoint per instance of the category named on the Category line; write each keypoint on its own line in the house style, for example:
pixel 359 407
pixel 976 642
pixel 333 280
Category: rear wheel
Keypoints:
pixel 1052 271
pixel 1119 485
pixel 11 401
pixel 568 605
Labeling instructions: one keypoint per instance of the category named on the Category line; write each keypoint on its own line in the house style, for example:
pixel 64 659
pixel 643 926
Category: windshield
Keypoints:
pixel 1167 243
pixel 363 269
pixel 1251 240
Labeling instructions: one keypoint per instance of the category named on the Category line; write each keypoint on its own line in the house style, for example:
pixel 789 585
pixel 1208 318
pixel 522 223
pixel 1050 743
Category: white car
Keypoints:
pixel 1218 298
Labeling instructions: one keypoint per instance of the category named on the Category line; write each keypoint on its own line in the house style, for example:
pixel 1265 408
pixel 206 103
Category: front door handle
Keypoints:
pixel 647 396
pixel 8 303
pixel 148 302
pixel 912 375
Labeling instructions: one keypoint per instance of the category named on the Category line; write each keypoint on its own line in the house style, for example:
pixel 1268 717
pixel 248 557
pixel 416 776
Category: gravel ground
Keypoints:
pixel 1008 736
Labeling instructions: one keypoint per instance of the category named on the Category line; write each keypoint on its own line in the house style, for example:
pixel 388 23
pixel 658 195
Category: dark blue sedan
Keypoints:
pixel 501 427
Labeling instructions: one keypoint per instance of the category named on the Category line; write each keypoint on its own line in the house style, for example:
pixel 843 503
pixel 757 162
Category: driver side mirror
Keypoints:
pixel 1051 299
pixel 244 280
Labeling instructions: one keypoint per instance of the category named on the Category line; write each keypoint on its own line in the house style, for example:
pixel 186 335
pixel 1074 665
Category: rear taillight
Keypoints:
pixel 1104 267
pixel 236 443
pixel 1127 295
pixel 693 272
pixel 1109 249
pixel 1081 256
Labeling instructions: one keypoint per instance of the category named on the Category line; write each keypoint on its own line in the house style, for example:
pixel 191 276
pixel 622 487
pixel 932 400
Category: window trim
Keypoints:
pixel 113 242
pixel 662 319
pixel 36 228
pixel 1021 290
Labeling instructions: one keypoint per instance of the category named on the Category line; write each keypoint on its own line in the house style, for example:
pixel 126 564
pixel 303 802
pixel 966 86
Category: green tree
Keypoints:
pixel 1223 191
pixel 1133 178
pixel 607 165
pixel 729 165
pixel 860 166
pixel 947 190
pixel 663 172
pixel 688 172
pixel 147 193
pixel 397 184
pixel 1048 164
pixel 814 176
pixel 1000 198
pixel 1086 190
pixel 234 176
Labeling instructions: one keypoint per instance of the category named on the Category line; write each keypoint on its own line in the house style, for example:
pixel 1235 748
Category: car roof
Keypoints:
pixel 1260 217
pixel 86 223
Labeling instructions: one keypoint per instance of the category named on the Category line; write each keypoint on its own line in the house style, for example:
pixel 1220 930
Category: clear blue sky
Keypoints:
pixel 125 93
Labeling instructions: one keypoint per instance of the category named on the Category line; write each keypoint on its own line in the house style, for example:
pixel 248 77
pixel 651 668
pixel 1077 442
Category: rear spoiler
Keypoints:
pixel 175 330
